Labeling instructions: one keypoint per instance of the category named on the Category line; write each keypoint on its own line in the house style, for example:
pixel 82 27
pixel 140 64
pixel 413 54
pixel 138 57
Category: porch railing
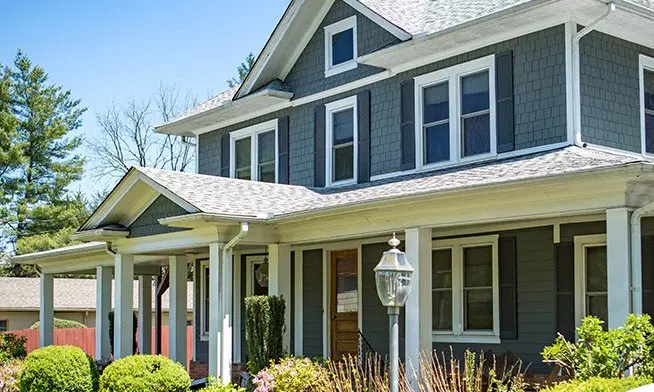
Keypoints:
pixel 365 348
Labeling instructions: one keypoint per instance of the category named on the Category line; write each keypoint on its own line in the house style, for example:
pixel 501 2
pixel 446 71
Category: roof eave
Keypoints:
pixel 99 235
pixel 89 249
pixel 201 220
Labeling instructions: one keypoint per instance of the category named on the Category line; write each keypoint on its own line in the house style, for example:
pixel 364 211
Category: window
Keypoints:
pixel 256 275
pixel 465 290
pixel 341 46
pixel 341 142
pixel 254 152
pixel 647 103
pixel 591 282
pixel 204 295
pixel 4 327
pixel 455 109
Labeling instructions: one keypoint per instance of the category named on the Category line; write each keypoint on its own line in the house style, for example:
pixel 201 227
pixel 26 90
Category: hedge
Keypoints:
pixel 61 324
pixel 600 385
pixel 58 368
pixel 144 373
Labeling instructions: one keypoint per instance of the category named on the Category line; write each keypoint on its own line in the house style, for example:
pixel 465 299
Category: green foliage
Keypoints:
pixel 292 375
pixel 264 327
pixel 144 373
pixel 10 376
pixel 218 386
pixel 58 368
pixel 606 354
pixel 11 347
pixel 600 385
pixel 243 69
pixel 61 324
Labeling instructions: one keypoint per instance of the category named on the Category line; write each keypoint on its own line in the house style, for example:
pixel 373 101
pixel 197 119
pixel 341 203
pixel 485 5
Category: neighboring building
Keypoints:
pixel 509 147
pixel 74 299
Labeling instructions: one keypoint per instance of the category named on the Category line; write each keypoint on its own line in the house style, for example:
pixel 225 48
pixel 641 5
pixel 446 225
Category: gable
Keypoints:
pixel 307 76
pixel 148 222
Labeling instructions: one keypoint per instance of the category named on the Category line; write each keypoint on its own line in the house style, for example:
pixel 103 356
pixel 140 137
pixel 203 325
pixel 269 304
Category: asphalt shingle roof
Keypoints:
pixel 71 294
pixel 219 195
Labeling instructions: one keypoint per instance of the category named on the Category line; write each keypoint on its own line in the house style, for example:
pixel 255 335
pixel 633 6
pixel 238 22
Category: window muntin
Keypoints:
pixel 254 152
pixel 341 139
pixel 341 46
pixel 465 290
pixel 455 112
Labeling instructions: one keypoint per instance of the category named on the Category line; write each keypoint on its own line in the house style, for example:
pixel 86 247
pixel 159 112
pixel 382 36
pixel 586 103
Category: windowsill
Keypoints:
pixel 204 337
pixel 342 183
pixel 340 68
pixel 465 338
pixel 460 162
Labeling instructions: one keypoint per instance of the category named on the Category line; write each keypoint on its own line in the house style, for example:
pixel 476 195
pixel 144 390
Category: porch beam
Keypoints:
pixel 145 314
pixel 418 312
pixel 215 325
pixel 279 283
pixel 177 320
pixel 46 311
pixel 124 303
pixel 103 307
pixel 618 257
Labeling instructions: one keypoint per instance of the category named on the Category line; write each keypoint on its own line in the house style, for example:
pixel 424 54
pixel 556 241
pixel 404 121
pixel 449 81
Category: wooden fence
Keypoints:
pixel 84 338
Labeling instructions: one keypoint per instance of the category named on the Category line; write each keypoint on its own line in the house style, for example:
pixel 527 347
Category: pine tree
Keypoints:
pixel 243 69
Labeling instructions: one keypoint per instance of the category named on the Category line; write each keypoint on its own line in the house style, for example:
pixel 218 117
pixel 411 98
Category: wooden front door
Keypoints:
pixel 344 304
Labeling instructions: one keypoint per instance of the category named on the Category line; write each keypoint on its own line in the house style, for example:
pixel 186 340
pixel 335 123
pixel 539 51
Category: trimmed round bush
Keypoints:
pixel 58 368
pixel 144 373
pixel 61 324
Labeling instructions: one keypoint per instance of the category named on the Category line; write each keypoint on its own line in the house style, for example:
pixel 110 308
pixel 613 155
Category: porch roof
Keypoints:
pixel 242 199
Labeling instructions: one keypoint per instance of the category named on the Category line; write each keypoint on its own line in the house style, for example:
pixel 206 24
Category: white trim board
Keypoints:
pixel 331 109
pixel 330 31
pixel 645 63
pixel 581 243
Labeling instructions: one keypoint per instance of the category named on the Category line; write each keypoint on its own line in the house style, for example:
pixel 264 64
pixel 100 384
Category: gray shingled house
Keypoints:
pixel 509 143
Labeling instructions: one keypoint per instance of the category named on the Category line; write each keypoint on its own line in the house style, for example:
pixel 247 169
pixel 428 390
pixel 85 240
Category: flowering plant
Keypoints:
pixel 10 376
pixel 292 375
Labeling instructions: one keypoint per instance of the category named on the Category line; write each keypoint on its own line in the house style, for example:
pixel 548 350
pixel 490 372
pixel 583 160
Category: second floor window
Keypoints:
pixel 254 152
pixel 647 66
pixel 341 46
pixel 341 141
pixel 455 114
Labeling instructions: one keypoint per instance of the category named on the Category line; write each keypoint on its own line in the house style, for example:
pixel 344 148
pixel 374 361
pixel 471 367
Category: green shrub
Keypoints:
pixel 264 328
pixel 10 376
pixel 61 324
pixel 600 385
pixel 144 373
pixel 11 347
pixel 218 386
pixel 293 375
pixel 58 368
pixel 606 354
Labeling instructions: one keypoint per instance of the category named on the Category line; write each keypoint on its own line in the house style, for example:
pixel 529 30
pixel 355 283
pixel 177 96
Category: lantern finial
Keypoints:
pixel 394 242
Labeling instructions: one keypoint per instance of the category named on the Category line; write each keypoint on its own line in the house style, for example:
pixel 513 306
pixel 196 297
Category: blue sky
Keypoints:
pixel 110 51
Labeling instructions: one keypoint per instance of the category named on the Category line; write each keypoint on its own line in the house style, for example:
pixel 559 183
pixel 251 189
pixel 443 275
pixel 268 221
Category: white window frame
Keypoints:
pixel 330 31
pixel 253 132
pixel 458 333
pixel 251 264
pixel 581 243
pixel 330 109
pixel 644 63
pixel 204 272
pixel 453 76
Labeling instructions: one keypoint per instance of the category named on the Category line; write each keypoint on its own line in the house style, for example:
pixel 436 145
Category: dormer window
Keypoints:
pixel 341 46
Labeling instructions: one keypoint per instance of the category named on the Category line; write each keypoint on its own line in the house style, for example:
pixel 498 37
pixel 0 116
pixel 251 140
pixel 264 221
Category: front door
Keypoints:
pixel 344 304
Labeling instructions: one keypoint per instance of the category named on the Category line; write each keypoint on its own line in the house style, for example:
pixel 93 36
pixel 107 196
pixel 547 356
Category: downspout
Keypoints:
pixel 576 74
pixel 636 258
pixel 109 251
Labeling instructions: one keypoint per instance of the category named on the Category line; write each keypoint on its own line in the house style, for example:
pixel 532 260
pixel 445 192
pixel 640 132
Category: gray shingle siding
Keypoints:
pixel 610 91
pixel 308 74
pixel 147 223
pixel 539 97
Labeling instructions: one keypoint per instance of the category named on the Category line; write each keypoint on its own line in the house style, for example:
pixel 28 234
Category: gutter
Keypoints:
pixel 636 258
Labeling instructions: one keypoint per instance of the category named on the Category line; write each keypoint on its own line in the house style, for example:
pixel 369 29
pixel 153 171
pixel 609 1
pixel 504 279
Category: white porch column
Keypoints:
pixel 279 283
pixel 618 258
pixel 418 312
pixel 226 308
pixel 177 315
pixel 145 314
pixel 102 309
pixel 215 325
pixel 124 304
pixel 46 311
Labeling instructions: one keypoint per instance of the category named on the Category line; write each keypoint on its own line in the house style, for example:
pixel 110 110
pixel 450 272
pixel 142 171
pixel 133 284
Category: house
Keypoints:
pixel 74 299
pixel 508 143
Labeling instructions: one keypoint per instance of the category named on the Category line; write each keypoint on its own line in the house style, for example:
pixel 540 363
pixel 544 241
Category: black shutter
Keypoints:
pixel 565 286
pixel 224 155
pixel 647 257
pixel 407 126
pixel 363 107
pixel 319 148
pixel 508 289
pixel 504 101
pixel 282 139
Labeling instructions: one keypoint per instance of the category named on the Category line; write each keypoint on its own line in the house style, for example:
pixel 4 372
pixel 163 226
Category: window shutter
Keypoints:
pixel 319 152
pixel 282 159
pixel 565 284
pixel 224 155
pixel 504 101
pixel 647 257
pixel 363 107
pixel 408 125
pixel 508 289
